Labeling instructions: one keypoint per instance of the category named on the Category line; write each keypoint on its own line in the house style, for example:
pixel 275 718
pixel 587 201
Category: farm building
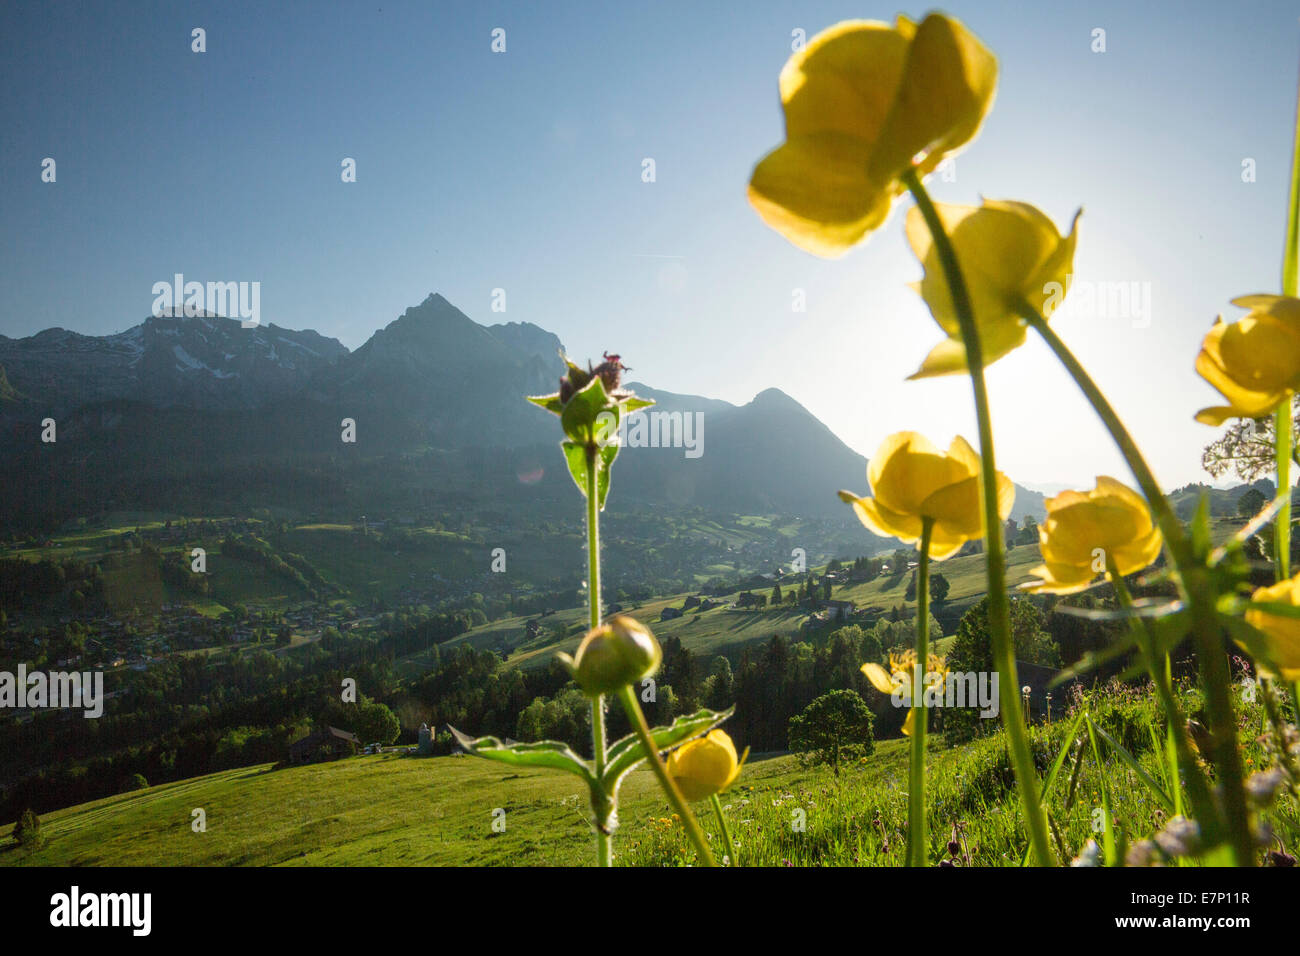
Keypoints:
pixel 324 743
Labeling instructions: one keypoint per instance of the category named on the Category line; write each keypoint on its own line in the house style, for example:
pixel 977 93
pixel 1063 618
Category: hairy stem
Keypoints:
pixel 999 610
pixel 604 839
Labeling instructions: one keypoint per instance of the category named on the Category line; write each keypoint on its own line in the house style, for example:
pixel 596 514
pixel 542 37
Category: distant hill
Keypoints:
pixel 200 362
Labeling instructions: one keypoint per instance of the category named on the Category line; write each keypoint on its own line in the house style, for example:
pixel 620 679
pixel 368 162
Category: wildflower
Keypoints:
pixel 1012 258
pixel 1263 786
pixel 901 680
pixel 621 651
pixel 1086 531
pixel 912 480
pixel 1255 362
pixel 865 103
pixel 1281 633
pixel 704 766
pixel 1180 837
pixel 1088 856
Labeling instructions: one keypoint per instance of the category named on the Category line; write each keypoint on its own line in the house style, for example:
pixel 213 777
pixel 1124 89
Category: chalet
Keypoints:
pixel 708 604
pixel 690 602
pixel 324 743
pixel 668 613
pixel 841 609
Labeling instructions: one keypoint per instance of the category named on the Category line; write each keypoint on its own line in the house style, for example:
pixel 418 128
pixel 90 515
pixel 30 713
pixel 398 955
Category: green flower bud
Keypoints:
pixel 621 651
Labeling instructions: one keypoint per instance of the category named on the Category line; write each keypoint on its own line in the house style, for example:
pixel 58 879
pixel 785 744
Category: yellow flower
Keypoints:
pixel 863 103
pixel 1084 530
pixel 705 766
pixel 621 651
pixel 901 678
pixel 1255 362
pixel 1011 255
pixel 911 480
pixel 1283 633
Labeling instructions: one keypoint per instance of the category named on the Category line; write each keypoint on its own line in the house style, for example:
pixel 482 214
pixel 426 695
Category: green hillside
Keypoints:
pixel 366 811
pixel 402 811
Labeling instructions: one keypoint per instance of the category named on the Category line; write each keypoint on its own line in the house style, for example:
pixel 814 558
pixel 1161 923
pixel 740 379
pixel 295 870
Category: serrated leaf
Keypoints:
pixel 552 754
pixel 551 403
pixel 625 753
pixel 634 404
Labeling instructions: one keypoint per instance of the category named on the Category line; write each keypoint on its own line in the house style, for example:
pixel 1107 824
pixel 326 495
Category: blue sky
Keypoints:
pixel 522 171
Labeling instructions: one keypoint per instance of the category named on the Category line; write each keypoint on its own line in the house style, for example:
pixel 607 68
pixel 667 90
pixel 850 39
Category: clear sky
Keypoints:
pixel 522 171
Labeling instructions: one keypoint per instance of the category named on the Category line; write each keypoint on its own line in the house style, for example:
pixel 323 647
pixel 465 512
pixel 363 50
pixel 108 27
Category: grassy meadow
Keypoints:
pixel 391 810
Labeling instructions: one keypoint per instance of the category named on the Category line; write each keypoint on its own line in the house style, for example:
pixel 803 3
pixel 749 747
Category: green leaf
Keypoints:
pixel 1202 544
pixel 551 403
pixel 607 455
pixel 1050 779
pixel 627 752
pixel 634 404
pixel 553 754
pixel 1156 790
pixel 575 456
pixel 581 411
pixel 1108 821
pixel 1060 757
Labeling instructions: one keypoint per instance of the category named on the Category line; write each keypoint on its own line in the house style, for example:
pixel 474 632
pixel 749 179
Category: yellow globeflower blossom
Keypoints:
pixel 1254 362
pixel 1086 530
pixel 705 766
pixel 1283 633
pixel 865 102
pixel 1011 256
pixel 912 480
pixel 900 679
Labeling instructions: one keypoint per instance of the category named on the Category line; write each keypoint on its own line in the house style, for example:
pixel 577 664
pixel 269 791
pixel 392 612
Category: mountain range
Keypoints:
pixel 185 409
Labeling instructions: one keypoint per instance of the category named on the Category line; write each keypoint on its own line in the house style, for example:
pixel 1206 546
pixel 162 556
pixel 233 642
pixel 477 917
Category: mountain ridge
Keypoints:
pixel 190 396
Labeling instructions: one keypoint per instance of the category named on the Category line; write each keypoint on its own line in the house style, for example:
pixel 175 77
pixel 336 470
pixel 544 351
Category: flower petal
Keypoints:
pixel 815 191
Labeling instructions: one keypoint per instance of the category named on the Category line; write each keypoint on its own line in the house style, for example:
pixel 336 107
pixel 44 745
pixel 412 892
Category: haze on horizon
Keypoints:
pixel 522 171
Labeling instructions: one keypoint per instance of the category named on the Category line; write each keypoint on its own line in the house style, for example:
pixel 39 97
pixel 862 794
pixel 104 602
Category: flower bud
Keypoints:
pixel 621 651
pixel 705 766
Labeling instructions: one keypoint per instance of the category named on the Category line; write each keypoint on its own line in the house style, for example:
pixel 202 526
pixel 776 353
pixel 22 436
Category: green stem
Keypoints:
pixel 1198 790
pixel 604 839
pixel 917 838
pixel 1282 522
pixel 636 718
pixel 1197 591
pixel 726 831
pixel 1282 421
pixel 999 610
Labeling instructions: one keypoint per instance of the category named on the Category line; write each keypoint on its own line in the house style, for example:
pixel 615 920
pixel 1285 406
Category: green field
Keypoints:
pixel 364 811
pixel 395 810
